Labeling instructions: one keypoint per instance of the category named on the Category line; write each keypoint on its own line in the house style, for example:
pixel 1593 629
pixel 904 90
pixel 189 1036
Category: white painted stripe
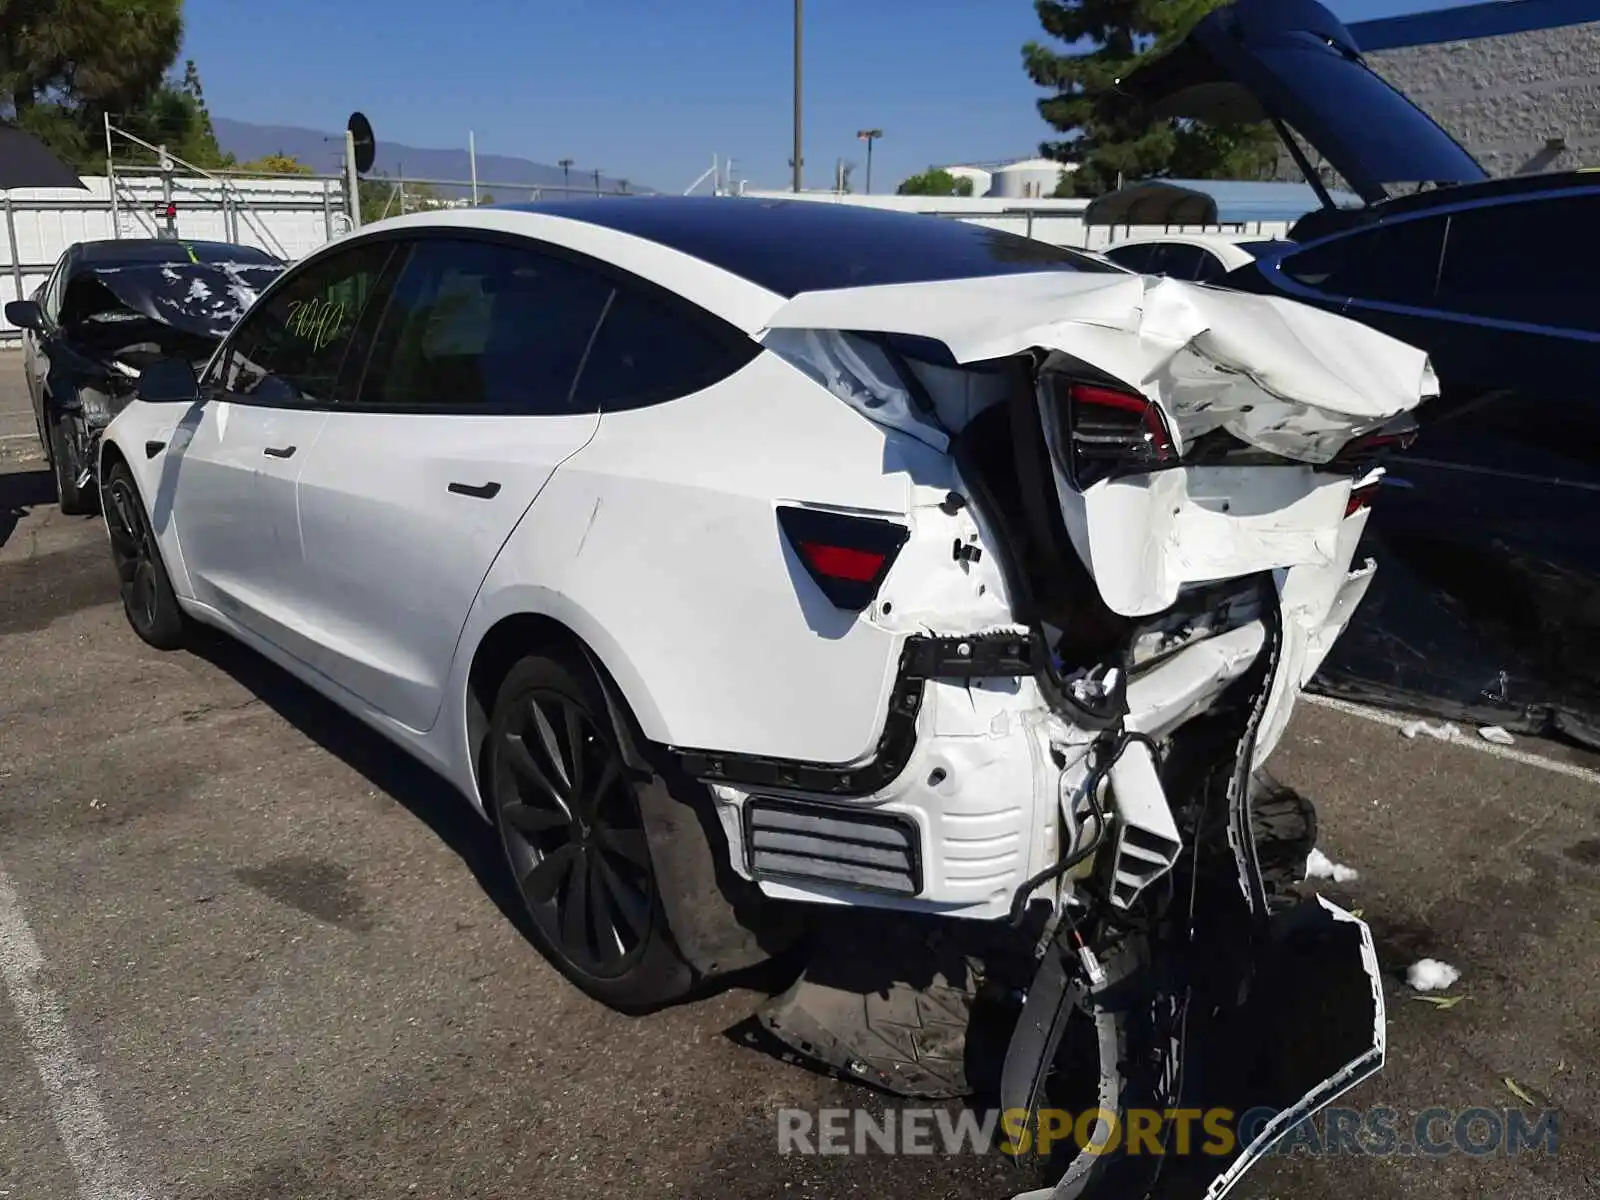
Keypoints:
pixel 1468 739
pixel 68 1082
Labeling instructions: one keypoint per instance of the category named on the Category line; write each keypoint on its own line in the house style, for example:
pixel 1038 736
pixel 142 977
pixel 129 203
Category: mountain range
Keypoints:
pixel 324 154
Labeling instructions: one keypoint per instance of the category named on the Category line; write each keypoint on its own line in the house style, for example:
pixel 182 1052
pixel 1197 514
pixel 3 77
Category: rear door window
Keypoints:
pixel 1181 260
pixel 1534 262
pixel 651 349
pixel 483 326
pixel 1394 264
pixel 1138 257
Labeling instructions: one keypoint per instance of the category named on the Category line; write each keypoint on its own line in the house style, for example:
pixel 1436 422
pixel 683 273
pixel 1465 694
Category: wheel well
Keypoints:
pixel 511 639
pixel 110 455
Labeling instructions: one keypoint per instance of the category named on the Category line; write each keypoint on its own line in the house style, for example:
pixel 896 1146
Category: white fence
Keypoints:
pixel 287 217
pixel 291 217
pixel 1059 222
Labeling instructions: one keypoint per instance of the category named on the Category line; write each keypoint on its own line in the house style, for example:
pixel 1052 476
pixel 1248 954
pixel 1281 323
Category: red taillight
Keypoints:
pixel 841 562
pixel 846 556
pixel 1112 432
pixel 1360 498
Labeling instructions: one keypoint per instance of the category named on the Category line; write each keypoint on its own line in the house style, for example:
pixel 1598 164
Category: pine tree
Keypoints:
pixel 1105 40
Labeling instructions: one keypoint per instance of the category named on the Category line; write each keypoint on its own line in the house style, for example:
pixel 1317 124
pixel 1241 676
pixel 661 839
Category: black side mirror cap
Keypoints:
pixel 24 314
pixel 168 381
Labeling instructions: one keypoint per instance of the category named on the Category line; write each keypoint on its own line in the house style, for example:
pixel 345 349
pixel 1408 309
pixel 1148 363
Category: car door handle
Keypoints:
pixel 482 491
pixel 279 451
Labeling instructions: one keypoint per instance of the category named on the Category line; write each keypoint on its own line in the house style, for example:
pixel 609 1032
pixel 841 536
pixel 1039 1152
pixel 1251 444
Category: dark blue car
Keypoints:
pixel 1487 601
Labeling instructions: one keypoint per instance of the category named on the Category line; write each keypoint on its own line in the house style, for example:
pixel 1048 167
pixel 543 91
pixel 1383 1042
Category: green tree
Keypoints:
pixel 935 181
pixel 276 164
pixel 66 64
pixel 1105 40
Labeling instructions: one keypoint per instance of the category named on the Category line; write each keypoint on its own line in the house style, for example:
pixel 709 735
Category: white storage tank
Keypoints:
pixel 1031 179
pixel 981 179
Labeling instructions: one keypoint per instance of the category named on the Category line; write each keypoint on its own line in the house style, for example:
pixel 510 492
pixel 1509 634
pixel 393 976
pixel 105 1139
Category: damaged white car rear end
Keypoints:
pixel 951 585
pixel 1143 550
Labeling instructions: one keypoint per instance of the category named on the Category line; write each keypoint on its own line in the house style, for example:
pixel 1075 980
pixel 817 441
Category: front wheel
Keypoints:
pixel 147 596
pixel 75 501
pixel 567 809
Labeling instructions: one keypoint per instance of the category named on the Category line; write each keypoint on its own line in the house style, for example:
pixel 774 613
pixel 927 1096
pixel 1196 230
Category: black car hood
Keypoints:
pixel 1293 61
pixel 206 299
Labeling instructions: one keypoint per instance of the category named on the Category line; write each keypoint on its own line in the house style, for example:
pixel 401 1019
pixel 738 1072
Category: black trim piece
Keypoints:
pixel 869 535
pixel 480 491
pixel 151 449
pixel 921 659
pixel 843 839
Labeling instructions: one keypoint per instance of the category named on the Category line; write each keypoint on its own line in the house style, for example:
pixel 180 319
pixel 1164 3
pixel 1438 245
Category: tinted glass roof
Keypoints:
pixel 793 246
pixel 129 251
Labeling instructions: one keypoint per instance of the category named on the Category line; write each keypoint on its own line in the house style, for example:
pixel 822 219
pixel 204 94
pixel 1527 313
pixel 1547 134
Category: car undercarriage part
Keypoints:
pixel 1147 984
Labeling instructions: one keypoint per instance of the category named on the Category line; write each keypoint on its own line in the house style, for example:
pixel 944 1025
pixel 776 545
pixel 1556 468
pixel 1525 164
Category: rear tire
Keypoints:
pixel 75 501
pixel 567 809
pixel 148 600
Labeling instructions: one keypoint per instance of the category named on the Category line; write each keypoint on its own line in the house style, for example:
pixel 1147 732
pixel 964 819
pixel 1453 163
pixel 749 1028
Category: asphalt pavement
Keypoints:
pixel 249 950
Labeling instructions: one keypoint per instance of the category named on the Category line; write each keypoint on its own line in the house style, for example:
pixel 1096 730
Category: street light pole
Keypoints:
pixel 798 24
pixel 869 136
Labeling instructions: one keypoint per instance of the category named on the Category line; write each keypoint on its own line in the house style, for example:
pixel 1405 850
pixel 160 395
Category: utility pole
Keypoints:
pixel 597 181
pixel 566 172
pixel 798 59
pixel 869 136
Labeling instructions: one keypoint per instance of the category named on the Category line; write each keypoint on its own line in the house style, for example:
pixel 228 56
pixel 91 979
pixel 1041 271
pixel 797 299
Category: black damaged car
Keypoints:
pixel 1486 603
pixel 109 309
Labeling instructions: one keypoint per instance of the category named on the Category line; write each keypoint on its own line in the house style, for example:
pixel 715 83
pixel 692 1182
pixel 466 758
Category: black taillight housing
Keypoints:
pixel 847 556
pixel 1372 448
pixel 1102 432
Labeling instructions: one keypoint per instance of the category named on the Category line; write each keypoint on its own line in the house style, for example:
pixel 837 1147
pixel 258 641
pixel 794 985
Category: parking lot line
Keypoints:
pixel 68 1081
pixel 1511 753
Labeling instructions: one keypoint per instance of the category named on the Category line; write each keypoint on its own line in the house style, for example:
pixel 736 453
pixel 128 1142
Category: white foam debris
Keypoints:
pixel 1493 733
pixel 1431 975
pixel 1444 732
pixel 198 290
pixel 1320 866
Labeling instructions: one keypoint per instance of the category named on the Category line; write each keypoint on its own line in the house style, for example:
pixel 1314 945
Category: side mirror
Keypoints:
pixel 168 381
pixel 24 314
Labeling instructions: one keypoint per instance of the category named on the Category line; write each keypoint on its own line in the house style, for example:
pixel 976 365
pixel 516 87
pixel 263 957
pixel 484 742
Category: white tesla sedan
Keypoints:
pixel 726 551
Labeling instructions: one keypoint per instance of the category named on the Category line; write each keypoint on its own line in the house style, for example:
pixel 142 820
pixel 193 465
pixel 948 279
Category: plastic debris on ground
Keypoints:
pixel 1430 975
pixel 1493 733
pixel 1443 733
pixel 1320 866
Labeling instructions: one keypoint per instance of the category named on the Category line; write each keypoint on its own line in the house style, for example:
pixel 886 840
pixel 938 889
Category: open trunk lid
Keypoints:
pixel 1290 386
pixel 1293 61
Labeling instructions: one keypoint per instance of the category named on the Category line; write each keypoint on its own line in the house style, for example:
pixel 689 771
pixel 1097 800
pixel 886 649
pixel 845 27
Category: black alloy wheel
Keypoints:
pixel 572 831
pixel 147 596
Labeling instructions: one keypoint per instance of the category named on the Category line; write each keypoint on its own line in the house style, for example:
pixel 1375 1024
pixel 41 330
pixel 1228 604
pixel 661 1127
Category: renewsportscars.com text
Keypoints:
pixel 1219 1132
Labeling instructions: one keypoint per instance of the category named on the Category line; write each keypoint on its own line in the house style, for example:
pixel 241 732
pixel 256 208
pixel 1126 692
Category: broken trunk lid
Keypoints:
pixel 1295 382
pixel 1293 61
pixel 1287 378
pixel 204 298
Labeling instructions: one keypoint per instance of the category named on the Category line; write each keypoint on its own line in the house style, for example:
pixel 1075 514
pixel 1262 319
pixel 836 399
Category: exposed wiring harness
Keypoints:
pixel 1118 739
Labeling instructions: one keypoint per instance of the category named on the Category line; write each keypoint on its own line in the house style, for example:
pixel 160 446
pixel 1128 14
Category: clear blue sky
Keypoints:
pixel 646 89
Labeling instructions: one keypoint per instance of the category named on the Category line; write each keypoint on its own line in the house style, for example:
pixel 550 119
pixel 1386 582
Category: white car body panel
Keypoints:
pixel 651 535
pixel 395 558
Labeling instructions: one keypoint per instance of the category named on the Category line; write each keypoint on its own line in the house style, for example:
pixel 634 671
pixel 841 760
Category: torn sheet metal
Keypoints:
pixel 1284 377
pixel 200 298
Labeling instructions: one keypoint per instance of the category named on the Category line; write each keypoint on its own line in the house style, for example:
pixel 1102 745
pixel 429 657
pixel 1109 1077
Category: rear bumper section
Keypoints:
pixel 984 798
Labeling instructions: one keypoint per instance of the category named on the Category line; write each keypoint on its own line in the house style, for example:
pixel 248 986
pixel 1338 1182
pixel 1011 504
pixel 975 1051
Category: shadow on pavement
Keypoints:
pixel 20 491
pixel 427 795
